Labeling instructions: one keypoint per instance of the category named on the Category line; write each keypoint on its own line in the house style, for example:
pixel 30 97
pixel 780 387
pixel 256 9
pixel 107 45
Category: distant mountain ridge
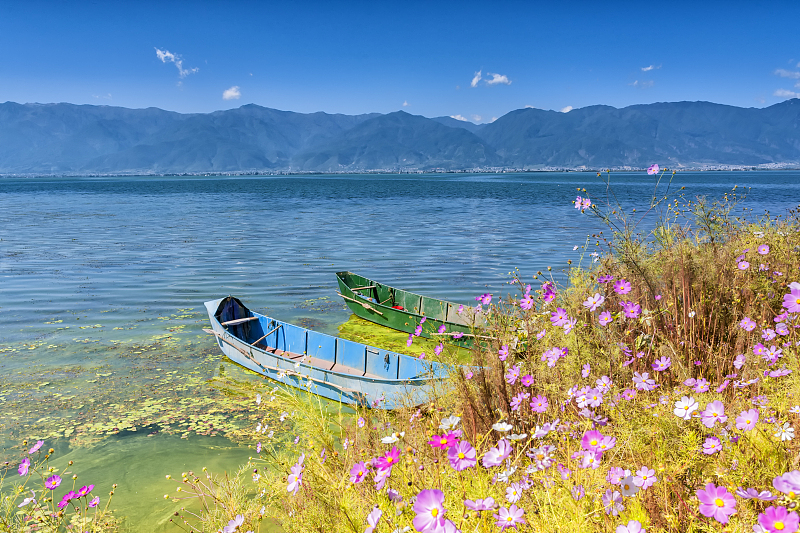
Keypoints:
pixel 67 138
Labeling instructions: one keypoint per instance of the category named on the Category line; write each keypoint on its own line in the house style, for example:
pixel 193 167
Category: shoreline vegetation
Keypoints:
pixel 656 389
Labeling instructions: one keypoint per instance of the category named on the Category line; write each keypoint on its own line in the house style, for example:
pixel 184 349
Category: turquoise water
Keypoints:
pixel 102 282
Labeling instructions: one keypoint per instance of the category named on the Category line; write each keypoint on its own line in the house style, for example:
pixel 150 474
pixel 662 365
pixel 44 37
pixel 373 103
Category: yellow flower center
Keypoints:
pixel 747 421
pixel 627 487
pixel 719 503
pixel 540 456
pixel 460 455
pixel 593 442
pixel 389 459
pixel 792 494
pixel 510 518
pixel 778 525
pixel 360 473
pixel 797 301
pixel 442 441
pixel 434 512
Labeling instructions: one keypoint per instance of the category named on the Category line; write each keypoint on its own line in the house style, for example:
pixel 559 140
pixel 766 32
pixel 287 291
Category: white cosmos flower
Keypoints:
pixel 795 409
pixel 394 437
pixel 258 399
pixel 628 487
pixel 505 475
pixel 786 432
pixel 514 436
pixel 450 422
pixel 685 407
pixel 502 427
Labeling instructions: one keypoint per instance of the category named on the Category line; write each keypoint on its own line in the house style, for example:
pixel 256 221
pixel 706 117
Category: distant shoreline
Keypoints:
pixel 385 172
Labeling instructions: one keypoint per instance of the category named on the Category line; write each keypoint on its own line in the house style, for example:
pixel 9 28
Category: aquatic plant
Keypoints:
pixel 32 501
pixel 655 390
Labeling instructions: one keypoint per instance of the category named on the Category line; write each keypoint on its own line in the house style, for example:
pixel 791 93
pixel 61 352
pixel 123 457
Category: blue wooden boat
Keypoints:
pixel 335 368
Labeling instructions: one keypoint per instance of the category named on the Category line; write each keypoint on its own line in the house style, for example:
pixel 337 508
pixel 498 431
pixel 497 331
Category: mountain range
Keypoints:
pixel 67 138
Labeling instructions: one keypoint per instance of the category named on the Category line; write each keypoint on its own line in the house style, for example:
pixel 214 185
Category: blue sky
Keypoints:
pixel 422 57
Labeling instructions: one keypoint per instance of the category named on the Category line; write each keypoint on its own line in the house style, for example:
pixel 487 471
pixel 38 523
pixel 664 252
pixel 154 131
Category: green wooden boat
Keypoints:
pixel 406 311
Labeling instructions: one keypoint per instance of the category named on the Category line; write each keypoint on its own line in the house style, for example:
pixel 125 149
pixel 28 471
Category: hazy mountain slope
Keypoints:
pixel 398 140
pixel 455 123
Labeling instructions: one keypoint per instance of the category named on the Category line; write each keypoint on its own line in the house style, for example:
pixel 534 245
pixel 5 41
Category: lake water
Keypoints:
pixel 102 282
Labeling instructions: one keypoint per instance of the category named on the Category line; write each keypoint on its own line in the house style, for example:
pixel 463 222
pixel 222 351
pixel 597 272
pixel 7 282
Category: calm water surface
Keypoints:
pixel 102 282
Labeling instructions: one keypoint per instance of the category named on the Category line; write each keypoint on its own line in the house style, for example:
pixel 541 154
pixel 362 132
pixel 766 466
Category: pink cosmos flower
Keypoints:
pixel 605 318
pixel 591 440
pixel 462 456
pixel 605 279
pixel 631 309
pixel 586 370
pixel 593 302
pixel 388 460
pixel 759 349
pixel 779 520
pixel 234 524
pixel 586 204
pixel 85 490
pixel 768 334
pixel 622 287
pixel 410 340
pixel 645 478
pixel 526 302
pixel 481 505
pixel 716 502
pixel 95 501
pixel 539 404
pixel 743 265
pixel 441 329
pixel 484 299
pixel 747 420
pixel 429 509
pixel 53 482
pixel 578 202
pixel 652 169
pixel 662 364
pixel 513 493
pixel 559 317
pixel 36 447
pixel 438 349
pixel 518 399
pixel 788 483
pixel 712 445
pixel 496 456
pixel 443 442
pixel 747 324
pixel 358 472
pixel 763 249
pixel 612 502
pixel 527 380
pixel 503 352
pixel 24 467
pixel 633 526
pixel 713 413
pixel 381 475
pixel 791 301
pixel 509 517
pixel 372 519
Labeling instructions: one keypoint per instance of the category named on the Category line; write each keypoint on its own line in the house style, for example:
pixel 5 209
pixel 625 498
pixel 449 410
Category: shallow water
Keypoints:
pixel 102 282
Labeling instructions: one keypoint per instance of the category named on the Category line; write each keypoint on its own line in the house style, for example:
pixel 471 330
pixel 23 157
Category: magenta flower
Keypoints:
pixel 388 460
pixel 652 169
pixel 716 502
pixel 462 456
pixel 481 505
pixel 527 380
pixel 645 478
pixel 372 519
pixel 713 413
pixel 526 302
pixel 503 352
pixel 578 202
pixel 743 265
pixel 539 404
pixel 791 301
pixel 24 467
pixel 634 526
pixel 754 494
pixel 788 483
pixel 559 317
pixel 85 490
pixel 496 456
pixel 512 374
pixel 593 302
pixel 443 442
pixel 95 501
pixel 763 249
pixel 605 318
pixel 440 329
pixel 358 472
pixel 591 440
pixel 631 309
pixel 779 520
pixel 381 475
pixel 36 447
pixel 586 370
pixel 430 511
pixel 53 482
pixel 662 364
pixel 605 279
pixel 747 420
pixel 438 349
pixel 294 481
pixel 612 502
pixel 712 445
pixel 509 517
pixel 622 287
pixel 410 340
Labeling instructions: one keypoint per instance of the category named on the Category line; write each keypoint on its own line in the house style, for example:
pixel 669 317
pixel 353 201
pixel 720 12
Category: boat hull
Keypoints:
pixel 375 304
pixel 389 380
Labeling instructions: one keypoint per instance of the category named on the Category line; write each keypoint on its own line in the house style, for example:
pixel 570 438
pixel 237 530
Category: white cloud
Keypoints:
pixel 459 117
pixel 232 94
pixel 529 107
pixel 476 118
pixel 168 57
pixel 651 67
pixel 106 97
pixel 405 103
pixel 642 84
pixel 783 93
pixel 476 79
pixel 783 73
pixel 497 78
pixel 566 109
